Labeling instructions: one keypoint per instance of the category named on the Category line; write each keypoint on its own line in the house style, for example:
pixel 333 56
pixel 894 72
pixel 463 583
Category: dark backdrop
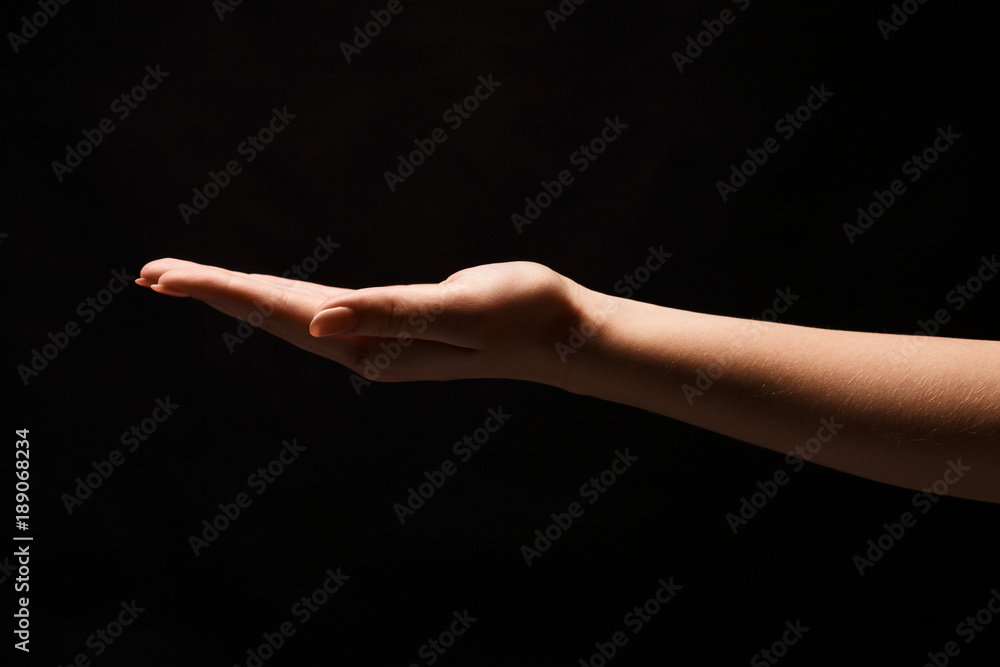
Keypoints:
pixel 66 234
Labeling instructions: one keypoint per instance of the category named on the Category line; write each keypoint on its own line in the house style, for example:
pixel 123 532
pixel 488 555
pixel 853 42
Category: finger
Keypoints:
pixel 169 291
pixel 323 291
pixel 438 312
pixel 150 274
pixel 283 312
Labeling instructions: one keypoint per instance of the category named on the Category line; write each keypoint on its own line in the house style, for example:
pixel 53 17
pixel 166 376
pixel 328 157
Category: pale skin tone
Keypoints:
pixel 890 408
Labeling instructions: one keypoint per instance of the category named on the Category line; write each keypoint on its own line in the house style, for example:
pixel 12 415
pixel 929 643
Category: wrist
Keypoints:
pixel 581 354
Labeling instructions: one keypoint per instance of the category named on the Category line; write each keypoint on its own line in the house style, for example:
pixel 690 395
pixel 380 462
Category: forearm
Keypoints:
pixel 907 405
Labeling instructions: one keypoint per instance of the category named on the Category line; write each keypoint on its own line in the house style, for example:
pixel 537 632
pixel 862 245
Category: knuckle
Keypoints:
pixel 392 318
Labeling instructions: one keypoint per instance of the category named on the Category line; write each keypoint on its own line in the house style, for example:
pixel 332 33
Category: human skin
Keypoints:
pixel 902 410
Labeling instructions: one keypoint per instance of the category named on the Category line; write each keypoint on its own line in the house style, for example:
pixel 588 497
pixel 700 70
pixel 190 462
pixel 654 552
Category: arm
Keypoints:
pixel 890 408
pixel 895 409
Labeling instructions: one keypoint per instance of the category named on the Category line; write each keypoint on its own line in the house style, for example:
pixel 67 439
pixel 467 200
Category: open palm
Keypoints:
pixel 494 320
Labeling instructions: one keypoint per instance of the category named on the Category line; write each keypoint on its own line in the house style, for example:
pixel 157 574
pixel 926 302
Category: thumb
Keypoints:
pixel 427 312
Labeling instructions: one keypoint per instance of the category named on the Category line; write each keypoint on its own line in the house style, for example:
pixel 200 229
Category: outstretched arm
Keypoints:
pixel 896 409
pixel 902 410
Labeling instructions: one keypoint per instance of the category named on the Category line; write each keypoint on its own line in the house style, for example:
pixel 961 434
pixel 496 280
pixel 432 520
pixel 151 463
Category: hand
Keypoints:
pixel 496 320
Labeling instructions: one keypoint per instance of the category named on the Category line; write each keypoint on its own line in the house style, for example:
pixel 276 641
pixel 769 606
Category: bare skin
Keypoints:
pixel 903 410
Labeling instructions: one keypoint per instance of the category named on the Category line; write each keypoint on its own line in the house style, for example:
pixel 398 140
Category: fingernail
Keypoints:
pixel 333 321
pixel 143 282
pixel 169 291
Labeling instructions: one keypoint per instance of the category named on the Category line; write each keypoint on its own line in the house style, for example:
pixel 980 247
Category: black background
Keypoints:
pixel 323 176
